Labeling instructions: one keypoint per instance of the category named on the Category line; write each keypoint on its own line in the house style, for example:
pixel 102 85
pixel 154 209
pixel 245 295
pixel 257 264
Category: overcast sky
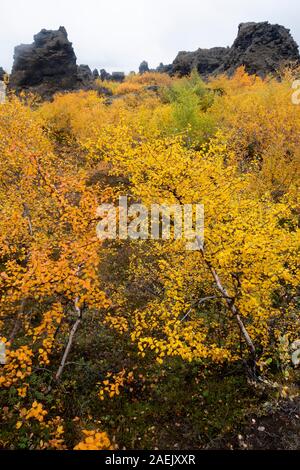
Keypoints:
pixel 119 34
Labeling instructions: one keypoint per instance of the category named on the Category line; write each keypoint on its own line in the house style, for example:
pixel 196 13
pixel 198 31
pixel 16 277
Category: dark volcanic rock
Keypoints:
pixel 2 74
pixel 113 77
pixel 49 64
pixel 261 47
pixel 46 66
pixel 103 91
pixel 153 88
pixel 206 61
pixel 84 75
pixel 118 77
pixel 104 75
pixel 164 68
pixel 144 67
pixel 96 74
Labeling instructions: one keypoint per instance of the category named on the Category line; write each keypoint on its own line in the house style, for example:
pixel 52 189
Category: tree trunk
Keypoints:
pixel 230 304
pixel 70 342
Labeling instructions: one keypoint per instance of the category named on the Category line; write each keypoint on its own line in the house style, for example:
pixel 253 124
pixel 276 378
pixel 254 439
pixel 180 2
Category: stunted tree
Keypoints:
pixel 49 249
pixel 234 297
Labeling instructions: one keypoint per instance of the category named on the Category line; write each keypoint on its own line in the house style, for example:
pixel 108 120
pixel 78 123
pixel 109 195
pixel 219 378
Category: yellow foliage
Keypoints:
pixel 63 159
pixel 94 440
pixel 129 87
pixel 113 383
pixel 150 78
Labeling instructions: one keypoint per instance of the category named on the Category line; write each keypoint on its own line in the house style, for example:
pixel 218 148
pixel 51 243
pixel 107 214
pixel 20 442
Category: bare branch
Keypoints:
pixel 70 341
pixel 199 302
pixel 229 302
pixel 26 214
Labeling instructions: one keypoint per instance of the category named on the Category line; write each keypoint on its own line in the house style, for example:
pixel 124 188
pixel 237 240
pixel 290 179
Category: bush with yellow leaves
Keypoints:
pixel 94 440
pixel 231 144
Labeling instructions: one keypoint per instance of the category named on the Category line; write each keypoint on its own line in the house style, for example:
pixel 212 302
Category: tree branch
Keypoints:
pixel 18 322
pixel 229 302
pixel 70 342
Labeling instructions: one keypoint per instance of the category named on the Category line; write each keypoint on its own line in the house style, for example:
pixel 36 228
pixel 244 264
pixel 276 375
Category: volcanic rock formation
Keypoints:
pixel 2 74
pixel 49 64
pixel 261 47
pixel 206 61
pixel 85 75
pixel 46 66
pixel 144 67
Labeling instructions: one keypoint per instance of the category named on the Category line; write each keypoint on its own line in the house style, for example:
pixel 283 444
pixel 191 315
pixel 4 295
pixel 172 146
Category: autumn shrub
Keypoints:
pixel 69 116
pixel 242 230
pixel 127 87
pixel 49 257
pixel 102 338
pixel 94 440
pixel 109 84
pixel 263 128
pixel 190 100
pixel 150 79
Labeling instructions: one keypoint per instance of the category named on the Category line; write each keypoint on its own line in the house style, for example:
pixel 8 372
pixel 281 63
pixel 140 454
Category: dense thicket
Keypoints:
pixel 142 344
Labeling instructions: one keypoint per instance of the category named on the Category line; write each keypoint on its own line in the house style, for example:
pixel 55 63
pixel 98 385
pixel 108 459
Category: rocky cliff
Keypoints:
pixel 46 66
pixel 2 74
pixel 206 61
pixel 262 48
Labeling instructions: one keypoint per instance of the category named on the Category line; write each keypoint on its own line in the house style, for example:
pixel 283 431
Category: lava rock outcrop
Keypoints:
pixel 262 48
pixel 2 74
pixel 47 66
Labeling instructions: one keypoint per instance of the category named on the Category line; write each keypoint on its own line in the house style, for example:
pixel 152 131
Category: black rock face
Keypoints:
pixel 206 61
pixel 164 68
pixel 46 66
pixel 49 64
pixel 113 77
pixel 2 74
pixel 144 67
pixel 117 77
pixel 104 75
pixel 96 74
pixel 261 47
pixel 85 75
